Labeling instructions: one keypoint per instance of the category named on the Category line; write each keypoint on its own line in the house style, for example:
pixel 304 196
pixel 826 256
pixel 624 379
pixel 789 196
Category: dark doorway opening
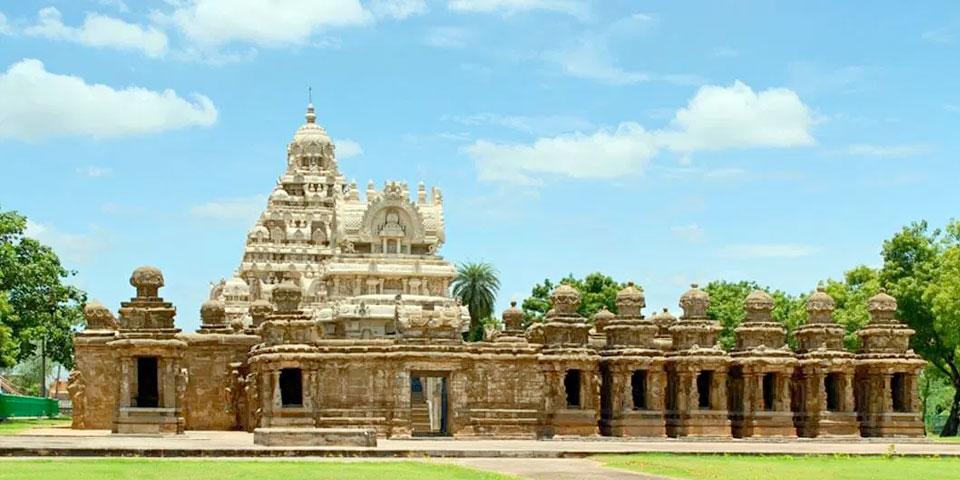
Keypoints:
pixel 571 385
pixel 898 389
pixel 638 389
pixel 704 381
pixel 831 384
pixel 291 387
pixel 429 403
pixel 769 390
pixel 148 392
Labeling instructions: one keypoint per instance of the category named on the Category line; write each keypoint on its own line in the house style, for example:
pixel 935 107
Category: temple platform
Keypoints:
pixel 63 442
pixel 315 437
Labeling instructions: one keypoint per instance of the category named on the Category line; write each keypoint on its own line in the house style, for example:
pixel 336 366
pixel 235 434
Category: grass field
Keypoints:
pixel 141 469
pixel 11 426
pixel 825 467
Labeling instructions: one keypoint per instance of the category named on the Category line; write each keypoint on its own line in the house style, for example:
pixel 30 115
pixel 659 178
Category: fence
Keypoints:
pixel 23 406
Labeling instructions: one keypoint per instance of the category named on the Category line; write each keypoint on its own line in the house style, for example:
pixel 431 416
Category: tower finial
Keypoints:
pixel 311 116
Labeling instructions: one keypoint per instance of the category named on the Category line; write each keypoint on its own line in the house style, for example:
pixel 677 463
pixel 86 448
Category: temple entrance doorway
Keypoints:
pixel 148 393
pixel 428 404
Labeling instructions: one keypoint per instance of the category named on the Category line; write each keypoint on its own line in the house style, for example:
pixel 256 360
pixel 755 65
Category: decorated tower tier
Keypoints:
pixel 350 255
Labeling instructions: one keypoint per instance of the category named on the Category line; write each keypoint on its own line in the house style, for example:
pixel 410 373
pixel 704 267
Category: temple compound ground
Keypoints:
pixel 338 328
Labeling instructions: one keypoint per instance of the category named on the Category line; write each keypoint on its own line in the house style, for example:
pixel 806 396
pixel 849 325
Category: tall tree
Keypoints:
pixel 40 311
pixel 476 285
pixel 921 268
pixel 727 307
pixel 851 296
pixel 596 291
pixel 8 347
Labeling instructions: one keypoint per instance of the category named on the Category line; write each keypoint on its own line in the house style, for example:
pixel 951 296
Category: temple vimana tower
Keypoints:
pixel 339 318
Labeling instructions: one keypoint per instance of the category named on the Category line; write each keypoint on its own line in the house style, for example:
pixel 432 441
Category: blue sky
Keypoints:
pixel 660 142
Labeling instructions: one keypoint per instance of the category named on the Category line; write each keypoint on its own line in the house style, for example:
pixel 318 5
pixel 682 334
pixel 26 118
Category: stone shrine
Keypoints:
pixel 338 326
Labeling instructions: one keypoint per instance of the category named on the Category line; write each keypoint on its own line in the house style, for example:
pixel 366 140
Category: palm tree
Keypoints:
pixel 476 285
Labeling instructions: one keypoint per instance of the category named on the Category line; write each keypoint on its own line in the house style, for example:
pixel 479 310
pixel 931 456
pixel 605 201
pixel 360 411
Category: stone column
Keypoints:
pixel 718 393
pixel 749 397
pixel 887 392
pixel 846 400
pixel 687 391
pixel 913 403
pixel 656 390
pixel 168 382
pixel 277 396
pixel 820 402
pixel 125 381
pixel 784 395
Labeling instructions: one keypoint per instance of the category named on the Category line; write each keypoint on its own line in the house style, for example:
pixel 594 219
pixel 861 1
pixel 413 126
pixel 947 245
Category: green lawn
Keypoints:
pixel 12 426
pixel 751 467
pixel 142 469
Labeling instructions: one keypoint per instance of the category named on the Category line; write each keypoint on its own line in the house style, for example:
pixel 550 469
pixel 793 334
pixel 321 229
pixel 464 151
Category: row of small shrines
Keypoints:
pixel 663 376
pixel 629 375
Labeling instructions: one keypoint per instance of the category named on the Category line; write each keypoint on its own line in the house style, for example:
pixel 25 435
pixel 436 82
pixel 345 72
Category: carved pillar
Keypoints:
pixel 125 396
pixel 749 392
pixel 718 394
pixel 306 377
pixel 168 382
pixel 687 390
pixel 656 389
pixel 913 400
pixel 820 402
pixel 846 401
pixel 887 393
pixel 277 398
pixel 784 394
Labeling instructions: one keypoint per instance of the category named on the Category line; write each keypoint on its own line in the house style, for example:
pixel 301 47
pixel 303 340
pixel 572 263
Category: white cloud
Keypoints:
pixel 603 154
pixel 768 250
pixel 240 209
pixel 725 52
pixel 591 60
pixel 942 36
pixel 814 79
pixel 120 5
pixel 537 124
pixel 737 117
pixel 590 57
pixel 213 23
pixel 691 233
pixel 398 9
pixel 510 7
pixel 95 172
pixel 40 104
pixel 5 28
pixel 952 108
pixel 100 31
pixel 716 118
pixel 888 151
pixel 72 248
pixel 347 148
pixel 448 37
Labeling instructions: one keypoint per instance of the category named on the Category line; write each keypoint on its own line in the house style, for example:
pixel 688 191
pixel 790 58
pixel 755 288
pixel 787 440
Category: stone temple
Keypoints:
pixel 338 326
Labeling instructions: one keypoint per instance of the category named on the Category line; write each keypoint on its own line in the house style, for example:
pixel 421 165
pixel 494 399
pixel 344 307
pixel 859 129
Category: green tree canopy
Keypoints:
pixel 596 289
pixel 476 285
pixel 851 296
pixel 727 307
pixel 36 307
pixel 921 268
